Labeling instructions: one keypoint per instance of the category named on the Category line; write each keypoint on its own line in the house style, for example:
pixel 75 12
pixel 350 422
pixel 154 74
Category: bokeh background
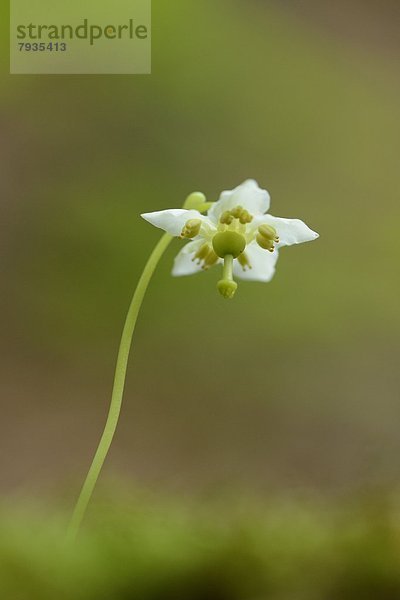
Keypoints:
pixel 293 387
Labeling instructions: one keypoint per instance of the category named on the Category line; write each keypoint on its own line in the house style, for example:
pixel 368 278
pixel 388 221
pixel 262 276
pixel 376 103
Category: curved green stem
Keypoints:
pixel 118 389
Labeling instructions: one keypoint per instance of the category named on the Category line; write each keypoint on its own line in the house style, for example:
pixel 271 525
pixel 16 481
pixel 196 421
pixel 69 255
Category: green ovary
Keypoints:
pixel 228 242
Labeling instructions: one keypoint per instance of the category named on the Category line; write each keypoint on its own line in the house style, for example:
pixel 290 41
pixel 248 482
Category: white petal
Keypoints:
pixel 255 200
pixel 173 220
pixel 290 231
pixel 262 264
pixel 184 263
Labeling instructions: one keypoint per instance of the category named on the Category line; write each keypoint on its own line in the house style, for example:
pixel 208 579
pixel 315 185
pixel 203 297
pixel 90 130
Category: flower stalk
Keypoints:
pixel 195 201
pixel 118 388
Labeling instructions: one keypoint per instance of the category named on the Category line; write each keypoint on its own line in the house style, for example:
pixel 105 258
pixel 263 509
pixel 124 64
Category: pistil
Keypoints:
pixel 227 286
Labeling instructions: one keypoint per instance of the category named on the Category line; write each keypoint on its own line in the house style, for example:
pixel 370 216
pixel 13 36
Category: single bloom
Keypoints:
pixel 237 231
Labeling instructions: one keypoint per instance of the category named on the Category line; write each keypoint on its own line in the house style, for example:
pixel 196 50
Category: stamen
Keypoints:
pixel 205 256
pixel 210 259
pixel 244 261
pixel 201 253
pixel 266 237
pixel 191 229
pixel 245 217
pixel 226 218
pixel 264 243
pixel 268 232
pixel 239 213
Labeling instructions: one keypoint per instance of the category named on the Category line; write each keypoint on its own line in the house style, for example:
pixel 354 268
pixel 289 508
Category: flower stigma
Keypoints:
pixel 227 286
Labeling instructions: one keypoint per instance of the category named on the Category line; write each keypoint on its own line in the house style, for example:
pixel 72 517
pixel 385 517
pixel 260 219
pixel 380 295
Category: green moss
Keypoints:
pixel 154 551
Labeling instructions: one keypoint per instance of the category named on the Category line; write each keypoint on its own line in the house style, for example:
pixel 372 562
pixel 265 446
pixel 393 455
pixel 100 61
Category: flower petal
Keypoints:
pixel 261 261
pixel 249 195
pixel 184 263
pixel 173 220
pixel 290 231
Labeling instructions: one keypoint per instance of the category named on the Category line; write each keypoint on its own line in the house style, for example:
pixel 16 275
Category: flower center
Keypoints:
pixel 228 242
pixel 231 236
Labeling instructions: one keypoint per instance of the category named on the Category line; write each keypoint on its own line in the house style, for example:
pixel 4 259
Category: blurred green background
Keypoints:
pixel 291 388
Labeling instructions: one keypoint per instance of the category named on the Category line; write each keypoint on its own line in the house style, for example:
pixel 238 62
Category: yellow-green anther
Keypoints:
pixel 267 237
pixel 191 229
pixel 268 232
pixel 226 218
pixel 237 211
pixel 210 259
pixel 245 217
pixel 202 253
pixel 265 243
pixel 228 242
pixel 241 214
pixel 244 261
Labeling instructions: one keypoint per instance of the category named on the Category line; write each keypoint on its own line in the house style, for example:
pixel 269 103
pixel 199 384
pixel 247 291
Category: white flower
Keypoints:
pixel 236 231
